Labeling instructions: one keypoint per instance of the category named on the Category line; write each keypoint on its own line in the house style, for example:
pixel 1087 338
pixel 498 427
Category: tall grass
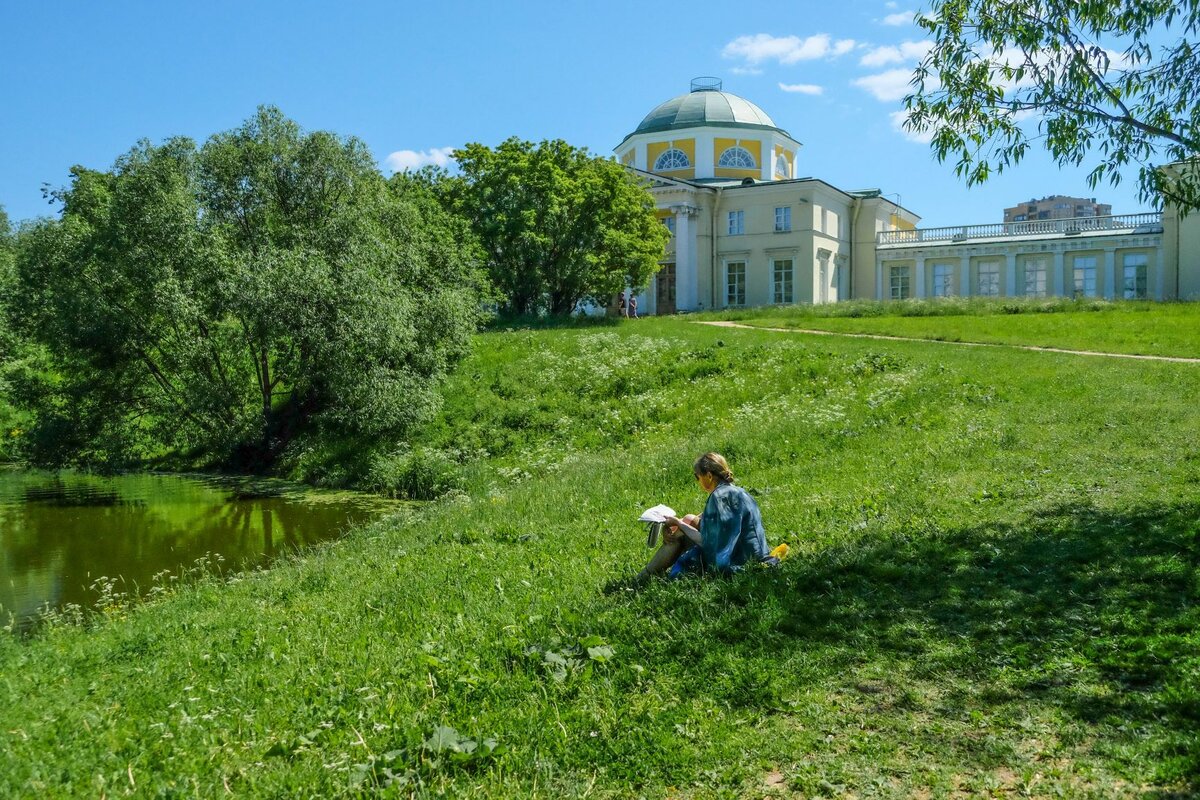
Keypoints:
pixel 992 591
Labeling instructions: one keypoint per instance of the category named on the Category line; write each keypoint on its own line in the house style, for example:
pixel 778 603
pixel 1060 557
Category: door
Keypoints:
pixel 665 290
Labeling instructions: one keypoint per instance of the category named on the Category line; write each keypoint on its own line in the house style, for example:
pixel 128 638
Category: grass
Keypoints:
pixel 1135 327
pixel 992 591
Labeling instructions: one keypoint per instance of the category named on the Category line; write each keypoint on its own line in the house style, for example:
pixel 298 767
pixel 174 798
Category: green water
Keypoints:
pixel 62 534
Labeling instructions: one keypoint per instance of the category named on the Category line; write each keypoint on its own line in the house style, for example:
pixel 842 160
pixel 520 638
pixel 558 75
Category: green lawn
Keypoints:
pixel 993 591
pixel 1117 327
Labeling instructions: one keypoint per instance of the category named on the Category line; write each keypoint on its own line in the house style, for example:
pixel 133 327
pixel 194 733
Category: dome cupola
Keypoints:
pixel 710 134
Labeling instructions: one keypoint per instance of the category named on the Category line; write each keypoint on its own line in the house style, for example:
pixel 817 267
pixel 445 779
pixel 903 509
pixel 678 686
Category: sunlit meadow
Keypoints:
pixel 991 591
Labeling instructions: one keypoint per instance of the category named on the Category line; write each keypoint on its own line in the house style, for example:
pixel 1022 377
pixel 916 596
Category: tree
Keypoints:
pixel 557 224
pixel 226 299
pixel 1100 79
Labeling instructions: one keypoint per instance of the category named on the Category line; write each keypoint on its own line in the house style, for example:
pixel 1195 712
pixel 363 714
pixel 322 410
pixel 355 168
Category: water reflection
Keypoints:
pixel 60 532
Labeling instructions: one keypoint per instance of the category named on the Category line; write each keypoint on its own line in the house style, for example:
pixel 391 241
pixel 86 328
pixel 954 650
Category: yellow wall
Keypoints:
pixel 752 146
pixel 1183 247
pixel 788 154
pixel 687 146
pixel 629 156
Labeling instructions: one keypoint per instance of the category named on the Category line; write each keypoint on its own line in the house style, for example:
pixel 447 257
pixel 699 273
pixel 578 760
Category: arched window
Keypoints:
pixel 781 166
pixel 737 158
pixel 672 159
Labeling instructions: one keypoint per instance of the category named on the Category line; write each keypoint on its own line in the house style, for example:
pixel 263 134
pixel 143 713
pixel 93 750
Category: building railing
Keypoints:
pixel 1037 227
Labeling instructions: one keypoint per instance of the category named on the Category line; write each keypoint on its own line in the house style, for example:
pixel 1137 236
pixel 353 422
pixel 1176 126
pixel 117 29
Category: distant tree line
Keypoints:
pixel 232 301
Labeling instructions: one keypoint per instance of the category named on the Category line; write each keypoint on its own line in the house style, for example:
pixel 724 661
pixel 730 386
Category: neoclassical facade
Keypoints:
pixel 747 231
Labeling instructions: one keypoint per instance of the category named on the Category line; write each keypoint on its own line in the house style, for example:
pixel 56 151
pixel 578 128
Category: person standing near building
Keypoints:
pixel 633 305
pixel 621 310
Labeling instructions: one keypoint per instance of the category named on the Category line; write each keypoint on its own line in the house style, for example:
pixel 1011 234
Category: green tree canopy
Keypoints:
pixel 222 300
pixel 557 224
pixel 1109 83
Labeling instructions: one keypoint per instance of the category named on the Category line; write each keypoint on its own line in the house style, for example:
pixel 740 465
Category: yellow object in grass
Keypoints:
pixel 780 552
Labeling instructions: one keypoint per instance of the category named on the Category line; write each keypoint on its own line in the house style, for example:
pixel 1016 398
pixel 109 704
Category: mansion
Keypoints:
pixel 746 231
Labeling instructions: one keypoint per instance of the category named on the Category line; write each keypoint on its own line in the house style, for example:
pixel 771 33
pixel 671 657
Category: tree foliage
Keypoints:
pixel 557 224
pixel 222 300
pixel 1111 83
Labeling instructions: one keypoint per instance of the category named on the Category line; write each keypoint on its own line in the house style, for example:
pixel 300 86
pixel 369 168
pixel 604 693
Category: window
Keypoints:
pixel 736 158
pixel 1085 276
pixel 737 223
pixel 1135 276
pixel 735 283
pixel 672 159
pixel 783 219
pixel 781 166
pixel 1035 277
pixel 989 279
pixel 669 223
pixel 943 277
pixel 781 270
pixel 899 283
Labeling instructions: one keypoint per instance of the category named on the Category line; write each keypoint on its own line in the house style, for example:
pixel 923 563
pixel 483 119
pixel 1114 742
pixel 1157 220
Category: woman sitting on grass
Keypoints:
pixel 726 537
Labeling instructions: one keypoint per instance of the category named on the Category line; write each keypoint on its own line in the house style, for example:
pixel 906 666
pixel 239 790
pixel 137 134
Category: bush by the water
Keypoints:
pixel 220 303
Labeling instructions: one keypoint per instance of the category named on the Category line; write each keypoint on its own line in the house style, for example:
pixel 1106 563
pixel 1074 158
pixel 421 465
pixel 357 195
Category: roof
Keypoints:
pixel 706 107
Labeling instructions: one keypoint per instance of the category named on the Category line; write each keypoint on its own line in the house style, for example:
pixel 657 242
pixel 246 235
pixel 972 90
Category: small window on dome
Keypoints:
pixel 672 159
pixel 737 158
pixel 781 166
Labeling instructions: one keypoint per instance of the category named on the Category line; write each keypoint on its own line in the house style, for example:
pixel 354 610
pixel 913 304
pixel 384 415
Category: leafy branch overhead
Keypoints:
pixel 1110 84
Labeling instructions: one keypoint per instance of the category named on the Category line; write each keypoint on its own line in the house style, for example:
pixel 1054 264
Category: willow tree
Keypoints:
pixel 1111 84
pixel 221 300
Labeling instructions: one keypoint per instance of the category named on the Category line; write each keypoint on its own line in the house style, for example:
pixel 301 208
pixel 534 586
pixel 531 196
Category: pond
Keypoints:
pixel 64 535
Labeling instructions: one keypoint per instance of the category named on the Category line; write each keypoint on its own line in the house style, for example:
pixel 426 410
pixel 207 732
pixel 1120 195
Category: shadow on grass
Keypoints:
pixel 1092 612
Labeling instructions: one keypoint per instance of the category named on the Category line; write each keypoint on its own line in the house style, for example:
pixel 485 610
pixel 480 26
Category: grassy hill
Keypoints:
pixel 993 590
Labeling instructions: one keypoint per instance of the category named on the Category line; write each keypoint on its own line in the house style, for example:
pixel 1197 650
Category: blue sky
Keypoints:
pixel 81 82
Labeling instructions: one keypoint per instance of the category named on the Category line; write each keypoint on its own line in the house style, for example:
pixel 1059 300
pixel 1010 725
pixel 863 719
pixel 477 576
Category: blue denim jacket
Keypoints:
pixel 731 534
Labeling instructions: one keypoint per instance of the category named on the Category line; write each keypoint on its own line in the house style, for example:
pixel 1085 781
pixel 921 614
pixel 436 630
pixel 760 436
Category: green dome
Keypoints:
pixel 710 107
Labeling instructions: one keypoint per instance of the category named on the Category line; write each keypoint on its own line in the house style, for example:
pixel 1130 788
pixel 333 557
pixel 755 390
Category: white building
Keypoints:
pixel 748 231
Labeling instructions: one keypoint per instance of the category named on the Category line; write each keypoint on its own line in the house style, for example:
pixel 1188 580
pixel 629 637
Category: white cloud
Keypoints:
pixel 843 46
pixel 746 71
pixel 895 54
pixel 802 88
pixel 402 160
pixel 887 86
pixel 899 18
pixel 890 4
pixel 786 49
pixel 898 118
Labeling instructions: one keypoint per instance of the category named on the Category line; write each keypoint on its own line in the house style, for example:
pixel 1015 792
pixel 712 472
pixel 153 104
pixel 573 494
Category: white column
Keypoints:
pixel 920 277
pixel 768 160
pixel 687 285
pixel 1060 274
pixel 1010 277
pixel 878 278
pixel 1155 262
pixel 705 165
pixel 639 159
pixel 1110 272
pixel 964 277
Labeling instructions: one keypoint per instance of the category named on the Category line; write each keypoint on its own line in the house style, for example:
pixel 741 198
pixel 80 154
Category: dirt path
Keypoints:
pixel 1176 359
